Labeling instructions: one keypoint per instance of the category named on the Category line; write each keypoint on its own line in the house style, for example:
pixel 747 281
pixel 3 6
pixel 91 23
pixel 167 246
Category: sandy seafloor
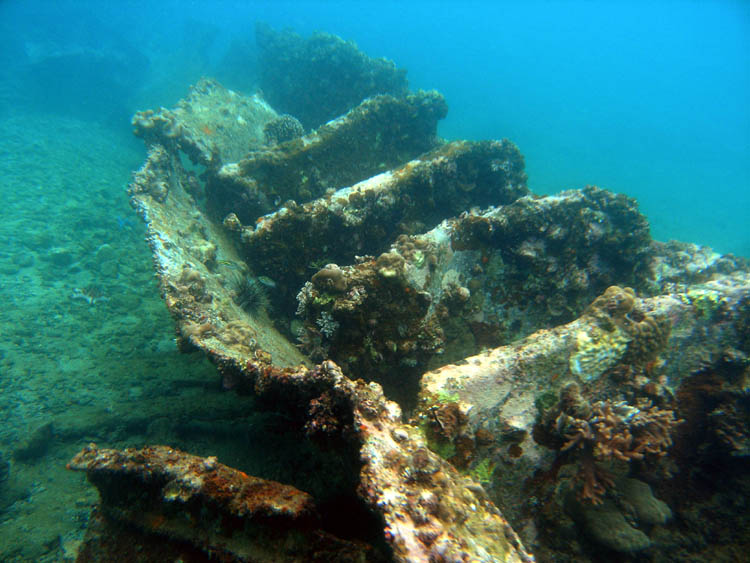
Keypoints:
pixel 107 372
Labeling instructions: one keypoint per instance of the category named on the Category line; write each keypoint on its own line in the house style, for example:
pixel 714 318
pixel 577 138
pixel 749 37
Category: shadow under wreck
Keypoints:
pixel 318 270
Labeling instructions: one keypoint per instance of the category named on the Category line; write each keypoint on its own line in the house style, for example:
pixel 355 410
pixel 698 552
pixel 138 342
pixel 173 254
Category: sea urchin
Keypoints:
pixel 249 294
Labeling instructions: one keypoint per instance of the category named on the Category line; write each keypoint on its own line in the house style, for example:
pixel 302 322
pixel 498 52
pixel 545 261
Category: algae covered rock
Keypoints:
pixel 380 133
pixel 423 507
pixel 620 525
pixel 478 280
pixel 211 125
pixel 524 405
pixel 648 509
pixel 4 471
pixel 606 525
pixel 149 495
pixel 366 218
pixel 321 77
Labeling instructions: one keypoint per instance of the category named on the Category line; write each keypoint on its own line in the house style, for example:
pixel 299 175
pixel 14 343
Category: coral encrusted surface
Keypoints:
pixel 342 264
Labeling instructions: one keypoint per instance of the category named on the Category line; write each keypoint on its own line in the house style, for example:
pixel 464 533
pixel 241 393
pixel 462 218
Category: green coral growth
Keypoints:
pixel 483 471
pixel 444 396
pixel 323 299
pixel 441 447
pixel 545 401
pixel 705 301
pixel 446 450
pixel 596 351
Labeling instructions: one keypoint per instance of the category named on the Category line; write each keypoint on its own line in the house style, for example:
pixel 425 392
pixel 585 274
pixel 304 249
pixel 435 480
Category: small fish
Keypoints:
pixel 265 280
pixel 124 222
pixel 230 264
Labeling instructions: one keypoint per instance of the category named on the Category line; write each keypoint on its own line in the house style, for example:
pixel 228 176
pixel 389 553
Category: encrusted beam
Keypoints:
pixel 195 505
pixel 381 133
pixel 365 218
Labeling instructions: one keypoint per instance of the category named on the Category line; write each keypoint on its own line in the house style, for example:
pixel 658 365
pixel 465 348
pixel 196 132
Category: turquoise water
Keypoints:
pixel 649 99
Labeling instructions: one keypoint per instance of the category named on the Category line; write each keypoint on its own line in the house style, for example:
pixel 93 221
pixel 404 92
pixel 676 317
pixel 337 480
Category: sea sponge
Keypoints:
pixel 330 278
pixel 284 128
pixel 390 265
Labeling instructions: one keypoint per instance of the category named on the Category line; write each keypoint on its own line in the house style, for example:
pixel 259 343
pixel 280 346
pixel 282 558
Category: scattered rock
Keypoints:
pixel 60 257
pixel 35 445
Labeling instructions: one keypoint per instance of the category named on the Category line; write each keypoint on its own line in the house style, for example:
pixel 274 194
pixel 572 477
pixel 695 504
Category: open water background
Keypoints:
pixel 645 98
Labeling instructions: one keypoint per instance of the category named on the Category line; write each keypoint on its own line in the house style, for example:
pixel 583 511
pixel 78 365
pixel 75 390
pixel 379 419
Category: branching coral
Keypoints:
pixel 605 431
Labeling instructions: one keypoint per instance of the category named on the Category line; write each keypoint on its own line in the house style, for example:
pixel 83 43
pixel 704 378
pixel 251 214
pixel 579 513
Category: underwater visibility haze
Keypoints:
pixel 374 281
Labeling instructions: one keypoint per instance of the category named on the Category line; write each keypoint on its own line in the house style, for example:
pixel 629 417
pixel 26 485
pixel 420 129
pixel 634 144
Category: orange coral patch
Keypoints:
pixel 156 521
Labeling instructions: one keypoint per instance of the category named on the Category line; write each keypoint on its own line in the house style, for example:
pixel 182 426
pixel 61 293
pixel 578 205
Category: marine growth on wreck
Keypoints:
pixel 503 376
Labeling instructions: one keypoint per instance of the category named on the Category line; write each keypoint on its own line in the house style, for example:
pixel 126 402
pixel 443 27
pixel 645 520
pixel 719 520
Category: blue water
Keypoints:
pixel 646 98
